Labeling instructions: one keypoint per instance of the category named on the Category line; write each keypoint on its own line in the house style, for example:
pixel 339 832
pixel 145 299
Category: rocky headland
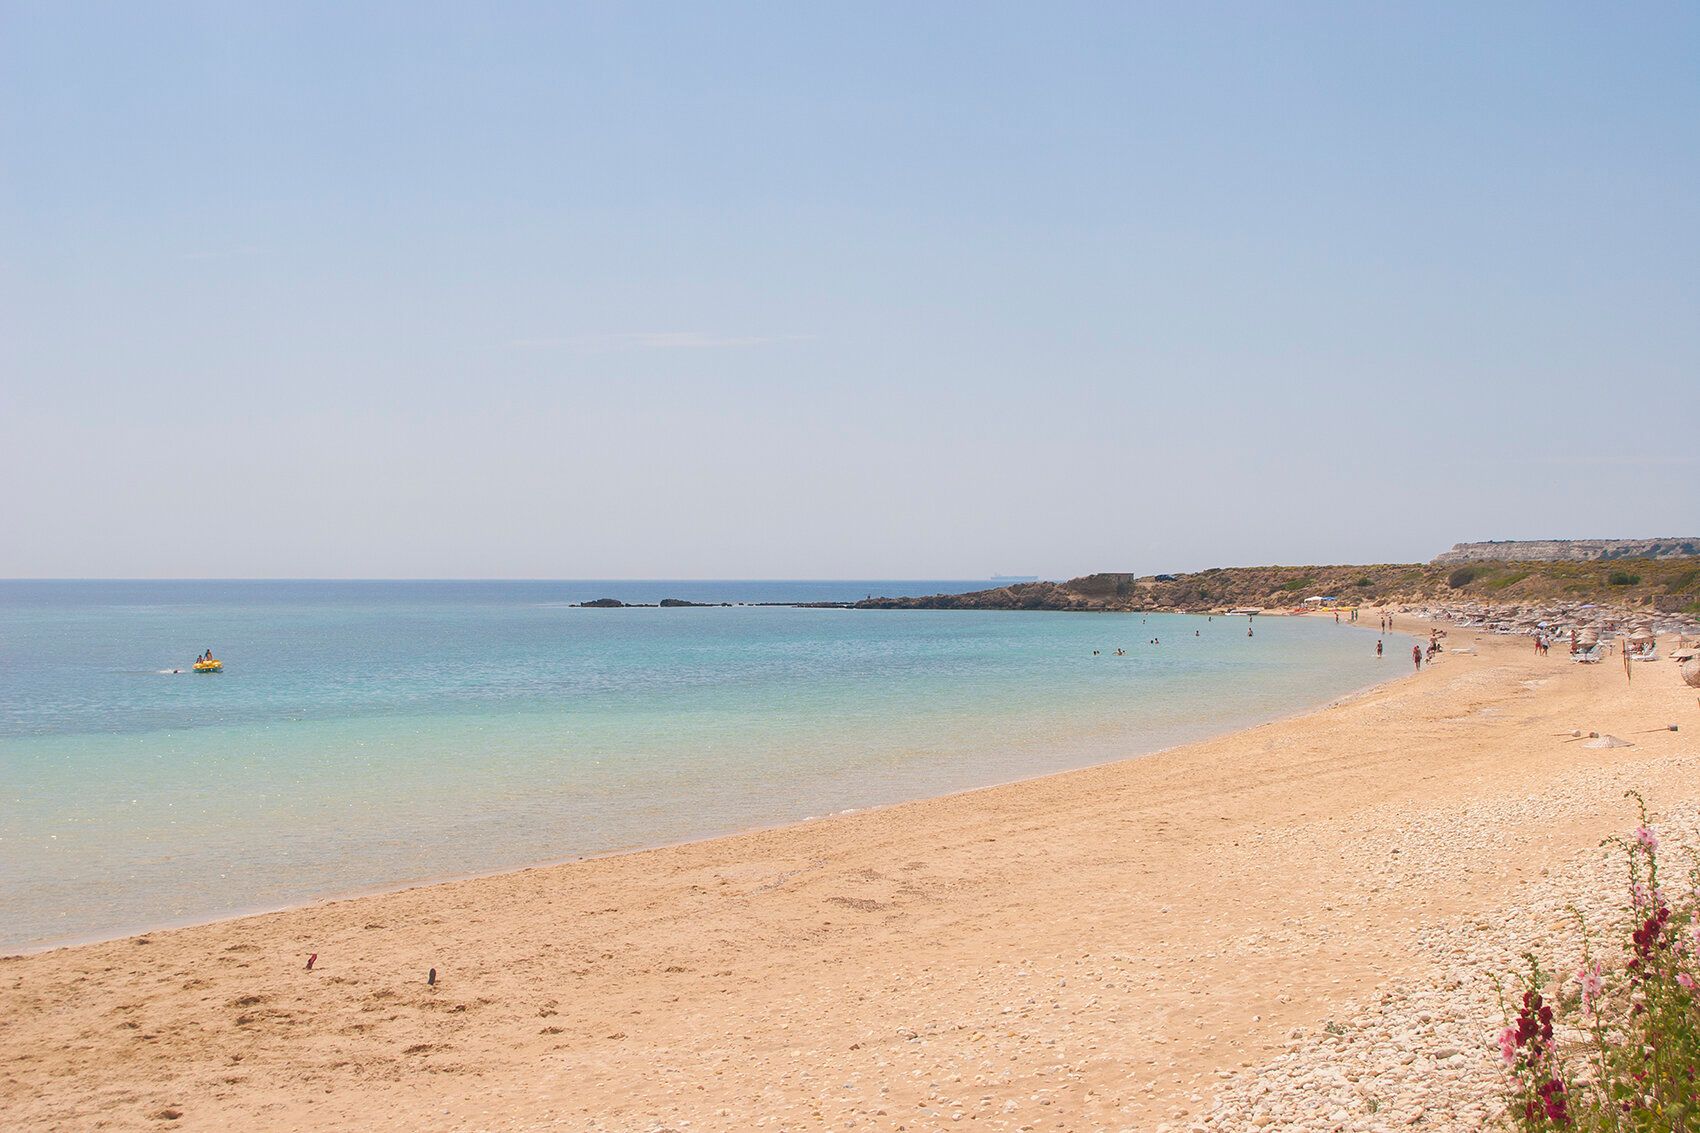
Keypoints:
pixel 1668 588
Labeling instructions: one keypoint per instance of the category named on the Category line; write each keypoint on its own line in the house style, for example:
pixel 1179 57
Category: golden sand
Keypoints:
pixel 1076 952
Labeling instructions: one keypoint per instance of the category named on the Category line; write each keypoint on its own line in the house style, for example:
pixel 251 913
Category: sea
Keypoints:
pixel 373 735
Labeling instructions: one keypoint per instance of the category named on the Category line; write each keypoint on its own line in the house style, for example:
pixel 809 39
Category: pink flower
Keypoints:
pixel 1686 980
pixel 1646 836
pixel 1508 1045
pixel 1643 896
pixel 1593 983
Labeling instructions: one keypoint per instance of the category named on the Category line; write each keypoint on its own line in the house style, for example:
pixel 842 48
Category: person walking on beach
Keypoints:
pixel 1417 657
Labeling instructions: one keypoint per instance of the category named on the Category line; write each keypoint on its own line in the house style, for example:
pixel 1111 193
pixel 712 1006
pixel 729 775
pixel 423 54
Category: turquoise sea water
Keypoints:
pixel 374 734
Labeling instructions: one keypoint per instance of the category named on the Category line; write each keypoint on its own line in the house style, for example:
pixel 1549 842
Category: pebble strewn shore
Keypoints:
pixel 1423 1055
pixel 1555 621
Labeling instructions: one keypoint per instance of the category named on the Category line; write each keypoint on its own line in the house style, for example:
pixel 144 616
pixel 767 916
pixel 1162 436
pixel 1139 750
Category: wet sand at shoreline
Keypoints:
pixel 1088 950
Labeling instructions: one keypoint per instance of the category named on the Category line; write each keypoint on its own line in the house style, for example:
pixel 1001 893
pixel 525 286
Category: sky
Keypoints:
pixel 839 290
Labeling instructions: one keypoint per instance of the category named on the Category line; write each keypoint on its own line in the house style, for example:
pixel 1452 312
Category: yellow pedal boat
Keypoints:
pixel 213 666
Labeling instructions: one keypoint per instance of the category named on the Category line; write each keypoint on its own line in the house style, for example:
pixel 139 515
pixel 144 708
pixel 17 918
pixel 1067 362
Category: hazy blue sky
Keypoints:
pixel 798 290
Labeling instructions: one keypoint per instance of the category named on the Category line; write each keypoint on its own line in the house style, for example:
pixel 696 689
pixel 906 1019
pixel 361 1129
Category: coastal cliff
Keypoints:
pixel 1569 550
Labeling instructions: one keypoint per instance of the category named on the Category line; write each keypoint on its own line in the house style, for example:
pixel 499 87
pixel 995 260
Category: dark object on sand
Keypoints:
pixel 310 960
pixel 431 980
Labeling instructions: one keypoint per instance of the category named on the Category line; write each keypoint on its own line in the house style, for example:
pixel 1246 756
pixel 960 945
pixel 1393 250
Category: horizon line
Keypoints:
pixel 469 578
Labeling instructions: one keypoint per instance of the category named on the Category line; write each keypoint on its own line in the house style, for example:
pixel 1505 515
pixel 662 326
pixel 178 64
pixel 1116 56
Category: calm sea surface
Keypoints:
pixel 377 733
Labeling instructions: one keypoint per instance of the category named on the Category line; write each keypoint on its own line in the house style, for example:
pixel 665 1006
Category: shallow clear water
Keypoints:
pixel 373 734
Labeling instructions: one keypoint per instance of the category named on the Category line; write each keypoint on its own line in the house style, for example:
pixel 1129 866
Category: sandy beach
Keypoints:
pixel 1114 948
